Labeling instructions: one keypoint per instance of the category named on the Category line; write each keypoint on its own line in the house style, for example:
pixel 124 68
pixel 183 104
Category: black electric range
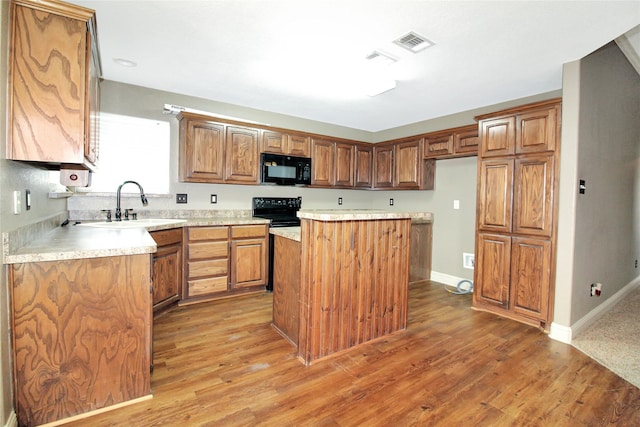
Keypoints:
pixel 281 212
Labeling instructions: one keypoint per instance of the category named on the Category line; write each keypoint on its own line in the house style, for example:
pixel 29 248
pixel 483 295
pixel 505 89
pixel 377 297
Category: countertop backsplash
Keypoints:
pixel 142 213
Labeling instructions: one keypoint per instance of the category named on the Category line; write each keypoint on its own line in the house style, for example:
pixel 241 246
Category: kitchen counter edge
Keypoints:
pixel 72 242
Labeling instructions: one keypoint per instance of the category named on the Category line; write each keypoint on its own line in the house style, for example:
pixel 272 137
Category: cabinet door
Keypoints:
pixel 536 131
pixel 48 85
pixel 383 167
pixel 437 145
pixel 241 155
pixel 497 137
pixel 530 277
pixel 344 166
pixel 408 173
pixel 322 163
pixel 364 167
pixel 495 180
pixel 167 275
pixel 201 151
pixel 533 195
pixel 248 263
pixel 493 268
pixel 466 141
pixel 273 142
pixel 298 145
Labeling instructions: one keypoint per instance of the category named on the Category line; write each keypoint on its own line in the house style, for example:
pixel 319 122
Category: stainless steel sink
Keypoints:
pixel 146 222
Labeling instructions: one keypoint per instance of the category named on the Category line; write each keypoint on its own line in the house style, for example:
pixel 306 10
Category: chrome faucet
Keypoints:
pixel 142 197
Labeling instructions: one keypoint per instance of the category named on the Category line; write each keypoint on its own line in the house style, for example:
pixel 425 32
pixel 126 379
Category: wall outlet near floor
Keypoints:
pixel 468 260
pixel 596 289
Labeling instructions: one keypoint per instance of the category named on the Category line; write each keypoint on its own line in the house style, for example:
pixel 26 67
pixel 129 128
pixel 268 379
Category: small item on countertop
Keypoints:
pixel 65 223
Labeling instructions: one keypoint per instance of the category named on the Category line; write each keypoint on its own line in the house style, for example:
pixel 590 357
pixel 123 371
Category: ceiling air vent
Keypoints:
pixel 413 42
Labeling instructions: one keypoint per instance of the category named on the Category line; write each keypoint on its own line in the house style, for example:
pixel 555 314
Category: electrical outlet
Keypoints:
pixel 181 198
pixel 339 201
pixel 27 199
pixel 390 202
pixel 468 261
pixel 636 264
pixel 214 198
pixel 596 289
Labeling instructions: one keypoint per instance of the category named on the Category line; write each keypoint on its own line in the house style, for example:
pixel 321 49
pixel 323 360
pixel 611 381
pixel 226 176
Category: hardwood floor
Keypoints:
pixel 222 364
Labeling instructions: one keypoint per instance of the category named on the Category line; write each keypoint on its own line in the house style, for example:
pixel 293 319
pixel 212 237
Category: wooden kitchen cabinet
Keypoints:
pixel 517 212
pixel 53 84
pixel 408 165
pixel 451 143
pixel 332 164
pixel 282 143
pixel 249 256
pixel 206 262
pixel 81 335
pixel 363 177
pixel 222 261
pixel 213 152
pixel 344 165
pixel 400 165
pixel 383 166
pixel 167 268
pixel 241 155
pixel 322 163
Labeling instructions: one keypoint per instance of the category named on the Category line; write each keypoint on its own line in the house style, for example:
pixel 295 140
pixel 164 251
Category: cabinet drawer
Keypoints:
pixel 207 268
pixel 244 231
pixel 205 250
pixel 208 233
pixel 207 286
pixel 167 237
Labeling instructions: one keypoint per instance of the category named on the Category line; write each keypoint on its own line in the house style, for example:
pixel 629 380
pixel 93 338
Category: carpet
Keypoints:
pixel 614 339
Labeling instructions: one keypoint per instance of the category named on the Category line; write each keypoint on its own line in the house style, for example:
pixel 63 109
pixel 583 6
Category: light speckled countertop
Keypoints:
pixel 77 242
pixel 361 214
pixel 293 233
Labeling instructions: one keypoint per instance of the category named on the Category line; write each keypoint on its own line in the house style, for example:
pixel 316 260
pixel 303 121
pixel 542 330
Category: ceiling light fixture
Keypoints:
pixel 125 62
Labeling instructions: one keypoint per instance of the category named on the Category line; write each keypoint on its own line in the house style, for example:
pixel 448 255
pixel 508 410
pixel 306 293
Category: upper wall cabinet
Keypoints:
pixel 217 152
pixel 54 71
pixel 457 142
pixel 281 143
pixel 400 165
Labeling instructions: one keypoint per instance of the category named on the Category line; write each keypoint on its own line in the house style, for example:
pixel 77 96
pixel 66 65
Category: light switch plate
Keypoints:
pixel 17 202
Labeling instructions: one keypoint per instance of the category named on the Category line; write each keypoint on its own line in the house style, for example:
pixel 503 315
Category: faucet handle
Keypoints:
pixel 108 211
pixel 126 213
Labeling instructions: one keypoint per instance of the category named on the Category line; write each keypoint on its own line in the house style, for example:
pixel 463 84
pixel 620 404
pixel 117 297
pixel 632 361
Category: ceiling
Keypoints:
pixel 306 58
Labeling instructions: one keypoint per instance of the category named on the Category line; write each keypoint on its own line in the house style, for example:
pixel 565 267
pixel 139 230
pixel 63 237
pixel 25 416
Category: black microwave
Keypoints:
pixel 285 170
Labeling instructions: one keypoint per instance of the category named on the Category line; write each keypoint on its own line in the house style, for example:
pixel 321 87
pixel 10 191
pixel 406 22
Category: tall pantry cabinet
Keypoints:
pixel 518 170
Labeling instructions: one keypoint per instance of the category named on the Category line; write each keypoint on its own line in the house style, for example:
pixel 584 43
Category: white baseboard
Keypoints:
pixel 12 421
pixel 566 333
pixel 447 279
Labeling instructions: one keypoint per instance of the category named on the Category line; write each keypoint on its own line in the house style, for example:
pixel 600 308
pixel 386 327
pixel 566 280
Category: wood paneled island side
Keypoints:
pixel 344 283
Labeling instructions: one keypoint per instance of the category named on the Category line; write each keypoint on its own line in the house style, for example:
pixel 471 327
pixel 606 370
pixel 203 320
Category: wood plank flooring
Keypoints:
pixel 222 364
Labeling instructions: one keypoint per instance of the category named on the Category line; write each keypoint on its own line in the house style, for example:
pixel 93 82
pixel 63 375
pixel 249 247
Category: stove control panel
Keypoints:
pixel 268 203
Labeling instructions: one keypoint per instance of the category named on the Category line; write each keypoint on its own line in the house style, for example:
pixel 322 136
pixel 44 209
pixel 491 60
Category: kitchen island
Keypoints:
pixel 344 281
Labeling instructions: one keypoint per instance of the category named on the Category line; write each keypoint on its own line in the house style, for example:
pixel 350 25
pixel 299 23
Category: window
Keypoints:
pixel 134 149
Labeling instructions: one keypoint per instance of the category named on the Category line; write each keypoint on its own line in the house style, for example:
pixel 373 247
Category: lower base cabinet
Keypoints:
pixel 222 261
pixel 81 335
pixel 514 276
pixel 167 268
